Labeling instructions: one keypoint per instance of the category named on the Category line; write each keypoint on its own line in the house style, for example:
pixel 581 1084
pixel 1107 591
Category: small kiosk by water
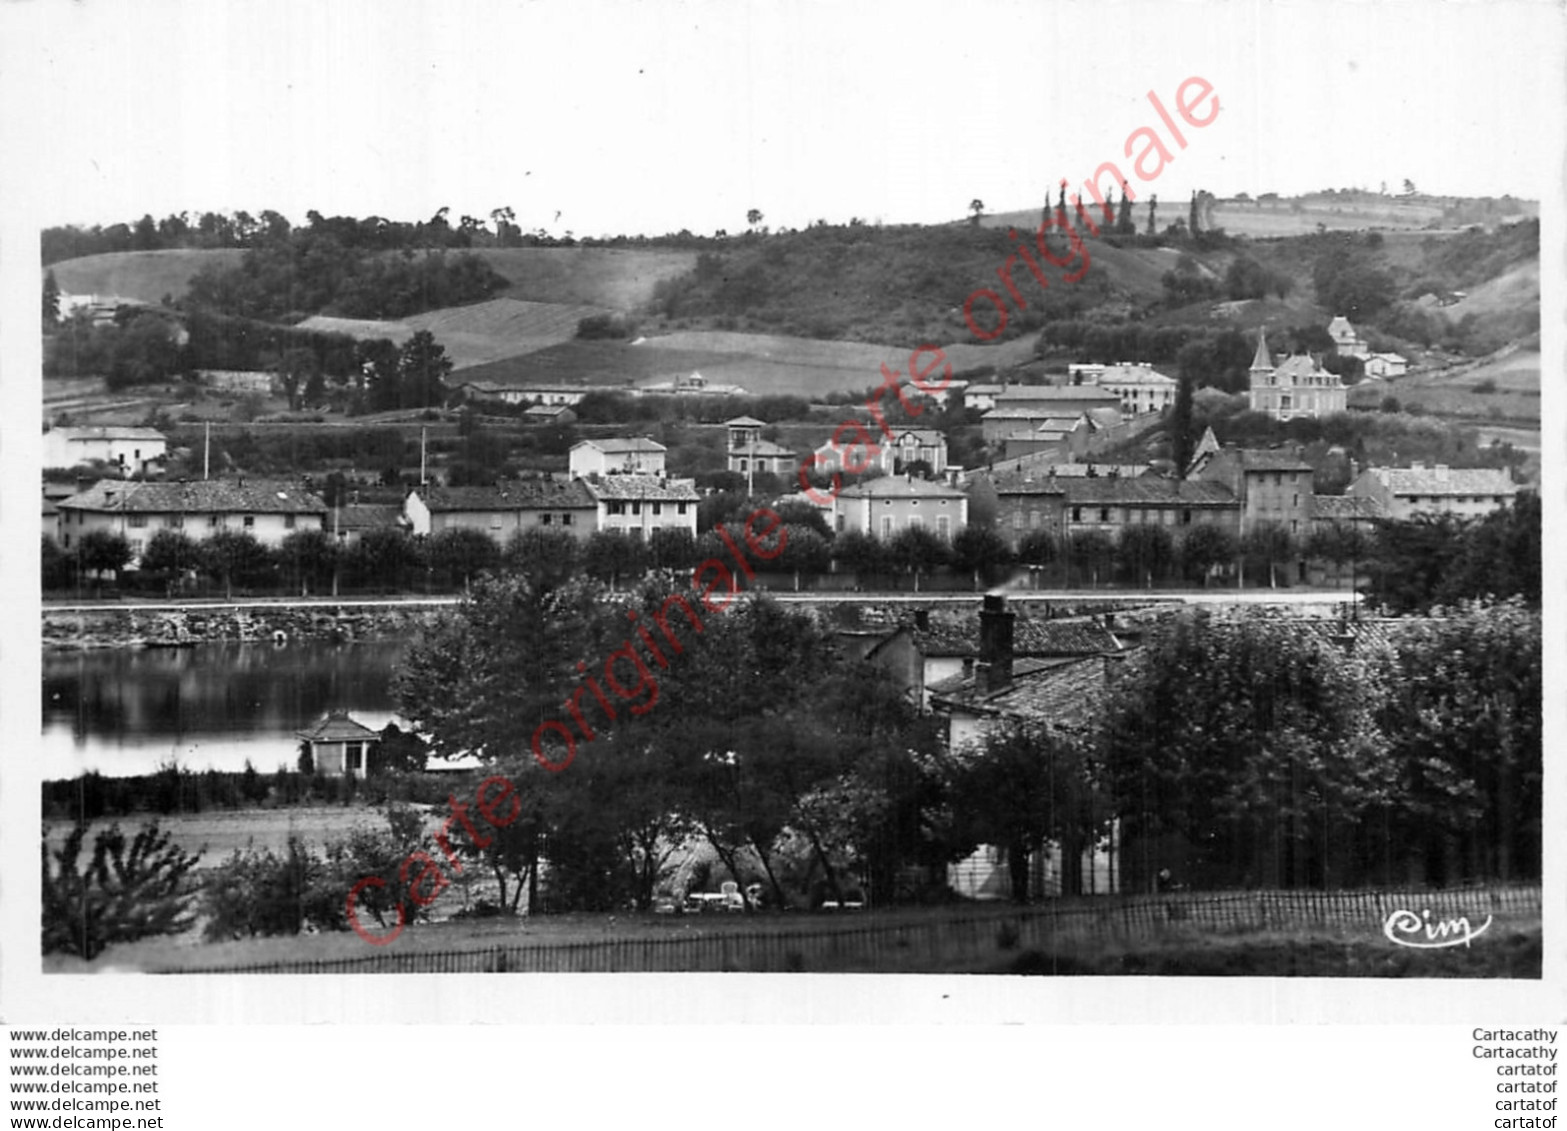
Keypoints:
pixel 339 746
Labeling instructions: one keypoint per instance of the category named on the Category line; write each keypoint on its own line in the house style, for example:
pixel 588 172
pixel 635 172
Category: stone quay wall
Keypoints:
pixel 172 626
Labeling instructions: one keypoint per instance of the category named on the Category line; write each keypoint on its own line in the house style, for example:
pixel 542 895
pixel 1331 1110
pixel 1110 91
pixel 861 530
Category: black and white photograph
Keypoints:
pixel 781 496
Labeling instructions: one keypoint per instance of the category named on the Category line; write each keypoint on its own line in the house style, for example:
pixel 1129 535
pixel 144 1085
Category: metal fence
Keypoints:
pixel 905 942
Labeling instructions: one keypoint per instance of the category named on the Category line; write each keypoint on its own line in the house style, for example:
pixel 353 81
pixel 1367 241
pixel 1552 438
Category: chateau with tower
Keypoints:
pixel 1297 386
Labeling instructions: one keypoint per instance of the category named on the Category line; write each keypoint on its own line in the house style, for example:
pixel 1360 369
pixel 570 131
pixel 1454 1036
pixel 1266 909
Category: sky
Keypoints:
pixel 608 117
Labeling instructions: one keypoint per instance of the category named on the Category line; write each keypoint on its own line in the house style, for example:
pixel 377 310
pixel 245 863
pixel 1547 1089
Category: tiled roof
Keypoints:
pixel 1018 412
pixel 901 487
pixel 1134 375
pixel 618 444
pixel 1302 366
pixel 369 516
pixel 547 410
pixel 110 432
pixel 515 387
pixel 514 494
pixel 1446 481
pixel 1347 507
pixel 763 448
pixel 1114 490
pixel 923 436
pixel 1271 459
pixel 213 496
pixel 636 488
pixel 337 726
pixel 745 422
pixel 1020 483
pixel 1030 637
pixel 1039 466
pixel 1019 393
pixel 1046 691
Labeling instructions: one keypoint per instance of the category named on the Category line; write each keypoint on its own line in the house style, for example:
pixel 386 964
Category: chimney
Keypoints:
pixel 995 644
pixel 922 619
pixel 1441 471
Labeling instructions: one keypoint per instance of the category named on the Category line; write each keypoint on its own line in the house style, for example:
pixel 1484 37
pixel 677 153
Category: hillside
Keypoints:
pixel 621 279
pixel 588 276
pixel 144 276
pixel 473 335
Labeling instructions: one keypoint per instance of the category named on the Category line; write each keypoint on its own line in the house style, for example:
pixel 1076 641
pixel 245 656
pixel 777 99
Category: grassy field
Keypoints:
pixel 762 364
pixel 216 834
pixel 619 278
pixel 473 335
pixel 142 275
pixel 1504 387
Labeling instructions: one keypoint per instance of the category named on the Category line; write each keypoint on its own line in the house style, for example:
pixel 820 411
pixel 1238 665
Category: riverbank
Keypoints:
pixel 72 627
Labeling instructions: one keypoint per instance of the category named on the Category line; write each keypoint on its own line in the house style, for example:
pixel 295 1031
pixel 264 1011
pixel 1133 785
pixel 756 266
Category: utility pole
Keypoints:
pixel 206 454
pixel 422 433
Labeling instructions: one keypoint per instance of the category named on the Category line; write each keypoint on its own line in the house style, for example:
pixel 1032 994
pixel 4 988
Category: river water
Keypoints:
pixel 125 711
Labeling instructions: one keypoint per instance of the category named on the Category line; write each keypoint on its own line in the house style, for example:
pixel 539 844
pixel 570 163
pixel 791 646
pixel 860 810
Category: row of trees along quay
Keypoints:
pixel 1399 564
pixel 1246 750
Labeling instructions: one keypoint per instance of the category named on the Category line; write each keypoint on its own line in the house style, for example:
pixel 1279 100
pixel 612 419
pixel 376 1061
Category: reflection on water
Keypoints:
pixel 124 711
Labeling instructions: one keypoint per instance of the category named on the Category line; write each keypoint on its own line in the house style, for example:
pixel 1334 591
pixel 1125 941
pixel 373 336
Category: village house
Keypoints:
pixel 1020 503
pixel 1023 409
pixel 268 510
pixel 498 392
pixel 1273 485
pixel 926 648
pixel 894 454
pixel 999 690
pixel 1061 438
pixel 1331 514
pixel 884 507
pixel 1296 386
pixel 350 522
pixel 749 453
pixel 135 450
pixel 504 509
pixel 338 746
pixel 1111 503
pixel 240 381
pixel 1386 365
pixel 637 505
pixel 1403 492
pixel 1345 340
pixel 982 396
pixel 1058 400
pixel 694 385
pixel 632 455
pixel 557 414
pixel 1360 512
pixel 1140 387
pixel 950 393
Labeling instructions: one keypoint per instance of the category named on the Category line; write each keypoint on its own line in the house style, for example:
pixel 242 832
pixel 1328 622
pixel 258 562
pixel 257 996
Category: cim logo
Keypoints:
pixel 1406 929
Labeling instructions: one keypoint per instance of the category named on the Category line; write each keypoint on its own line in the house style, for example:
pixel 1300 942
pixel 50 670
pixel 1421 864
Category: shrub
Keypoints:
pixel 262 893
pixel 120 896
